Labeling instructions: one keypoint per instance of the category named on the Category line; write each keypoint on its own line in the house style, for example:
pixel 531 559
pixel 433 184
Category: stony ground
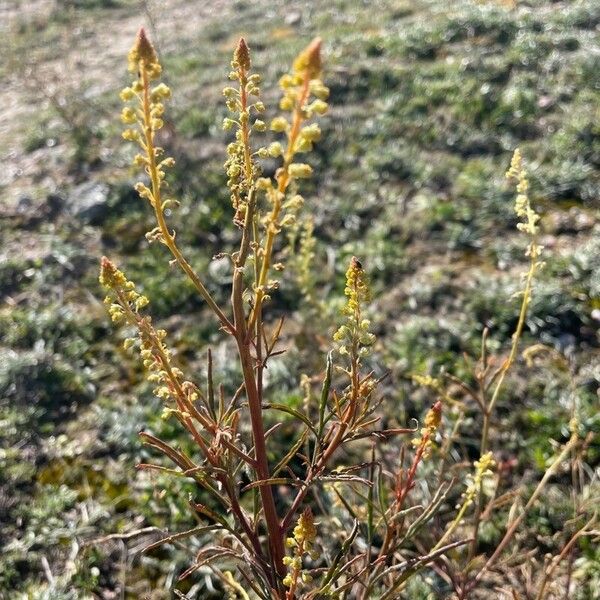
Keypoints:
pixel 428 101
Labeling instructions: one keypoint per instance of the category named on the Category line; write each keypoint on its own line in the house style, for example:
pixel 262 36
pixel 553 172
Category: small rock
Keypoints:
pixel 566 342
pixel 54 203
pixel 24 204
pixel 28 211
pixel 293 18
pixel 89 202
pixel 572 221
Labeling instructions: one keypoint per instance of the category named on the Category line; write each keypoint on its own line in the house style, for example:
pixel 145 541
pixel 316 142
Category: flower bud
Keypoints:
pixel 286 81
pixel 286 103
pixel 300 170
pixel 127 94
pixel 319 107
pixel 312 132
pixel 234 171
pixel 279 124
pixel 228 124
pixel 160 91
pixel 275 149
pixel 309 60
pixel 242 55
pixel 263 183
pixel 131 135
pixel 128 115
pixel 319 90
pixel 142 51
pixel 303 145
pixel 296 202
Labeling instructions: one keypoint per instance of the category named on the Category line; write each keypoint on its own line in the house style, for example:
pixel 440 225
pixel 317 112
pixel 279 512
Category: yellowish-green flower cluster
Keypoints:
pixel 300 171
pixel 523 207
pixel 143 113
pixel 124 305
pixel 354 337
pixel 305 531
pixel 305 95
pixel 155 356
pixel 357 288
pixel 306 70
pixel 143 55
pixel 427 381
pixel 483 470
pixel 424 440
pixel 122 291
pixel 304 536
pixel 305 259
pixel 240 167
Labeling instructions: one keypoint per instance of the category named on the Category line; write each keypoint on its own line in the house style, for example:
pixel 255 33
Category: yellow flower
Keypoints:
pixel 305 531
pixel 483 469
pixel 433 419
pixel 523 207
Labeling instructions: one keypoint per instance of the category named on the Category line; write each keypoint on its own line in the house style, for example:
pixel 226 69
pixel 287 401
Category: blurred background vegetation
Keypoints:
pixel 428 101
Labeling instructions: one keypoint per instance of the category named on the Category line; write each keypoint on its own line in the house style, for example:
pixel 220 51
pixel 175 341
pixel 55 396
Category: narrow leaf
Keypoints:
pixel 290 455
pixel 294 413
pixel 270 481
pixel 325 393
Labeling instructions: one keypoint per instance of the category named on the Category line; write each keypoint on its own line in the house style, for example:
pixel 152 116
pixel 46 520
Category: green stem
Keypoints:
pixel 487 409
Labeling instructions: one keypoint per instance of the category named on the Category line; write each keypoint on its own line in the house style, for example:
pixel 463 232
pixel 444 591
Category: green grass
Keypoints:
pixel 428 101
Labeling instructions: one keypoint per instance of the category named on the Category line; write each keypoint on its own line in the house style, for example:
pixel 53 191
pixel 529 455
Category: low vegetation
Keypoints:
pixel 366 382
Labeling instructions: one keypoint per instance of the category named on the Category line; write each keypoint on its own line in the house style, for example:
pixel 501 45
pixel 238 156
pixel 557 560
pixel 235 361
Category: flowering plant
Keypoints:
pixel 343 531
